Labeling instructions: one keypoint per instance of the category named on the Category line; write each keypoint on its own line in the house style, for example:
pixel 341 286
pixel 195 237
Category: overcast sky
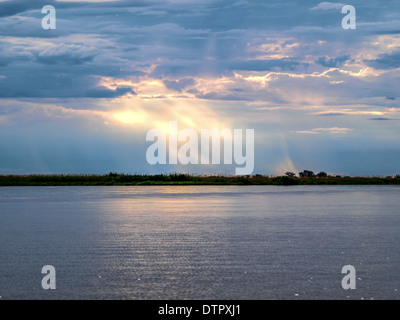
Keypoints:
pixel 81 98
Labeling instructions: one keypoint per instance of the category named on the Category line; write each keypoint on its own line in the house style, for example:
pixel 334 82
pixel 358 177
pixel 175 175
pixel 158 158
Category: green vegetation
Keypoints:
pixel 117 179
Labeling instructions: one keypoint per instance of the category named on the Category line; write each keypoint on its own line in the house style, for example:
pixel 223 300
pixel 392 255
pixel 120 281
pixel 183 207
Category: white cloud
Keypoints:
pixel 88 1
pixel 70 54
pixel 334 130
pixel 328 6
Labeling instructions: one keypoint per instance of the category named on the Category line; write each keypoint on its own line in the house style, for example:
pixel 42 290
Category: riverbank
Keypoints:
pixel 185 179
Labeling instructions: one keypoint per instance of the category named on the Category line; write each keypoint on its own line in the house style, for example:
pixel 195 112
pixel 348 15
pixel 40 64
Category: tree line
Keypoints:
pixel 309 174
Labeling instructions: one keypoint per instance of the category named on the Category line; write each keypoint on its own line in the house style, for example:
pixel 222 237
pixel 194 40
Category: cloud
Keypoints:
pixel 385 61
pixel 180 84
pixel 66 54
pixel 107 93
pixel 3 61
pixel 328 6
pixel 334 130
pixel 56 84
pixel 219 96
pixel 333 62
pixel 333 114
pixel 92 1
pixel 26 113
pixel 10 8
pixel 382 118
pixel 277 66
pixel 265 65
pixel 365 110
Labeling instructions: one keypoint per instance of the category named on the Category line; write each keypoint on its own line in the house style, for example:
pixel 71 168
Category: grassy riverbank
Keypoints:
pixel 185 179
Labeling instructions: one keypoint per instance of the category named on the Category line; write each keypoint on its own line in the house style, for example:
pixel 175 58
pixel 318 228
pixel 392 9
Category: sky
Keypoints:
pixel 81 98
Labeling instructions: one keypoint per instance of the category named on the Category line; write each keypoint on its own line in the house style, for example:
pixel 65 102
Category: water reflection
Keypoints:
pixel 222 242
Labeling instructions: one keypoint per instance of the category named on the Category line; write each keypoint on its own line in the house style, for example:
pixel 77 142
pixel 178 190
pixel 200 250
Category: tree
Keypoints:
pixel 322 174
pixel 290 174
pixel 306 174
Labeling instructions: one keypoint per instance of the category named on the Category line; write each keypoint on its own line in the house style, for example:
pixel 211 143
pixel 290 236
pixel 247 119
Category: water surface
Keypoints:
pixel 200 242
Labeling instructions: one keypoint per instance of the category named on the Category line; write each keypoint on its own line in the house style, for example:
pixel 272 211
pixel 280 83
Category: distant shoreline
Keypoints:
pixel 116 179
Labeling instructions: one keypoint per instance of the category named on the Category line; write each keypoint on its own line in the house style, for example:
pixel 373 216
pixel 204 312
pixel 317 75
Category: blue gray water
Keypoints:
pixel 200 242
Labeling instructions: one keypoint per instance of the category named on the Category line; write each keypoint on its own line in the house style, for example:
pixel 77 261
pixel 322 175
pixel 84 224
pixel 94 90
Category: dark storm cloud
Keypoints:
pixel 61 81
pixel 13 7
pixel 264 65
pixel 386 61
pixel 183 39
pixel 333 62
pixel 107 93
pixel 381 119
